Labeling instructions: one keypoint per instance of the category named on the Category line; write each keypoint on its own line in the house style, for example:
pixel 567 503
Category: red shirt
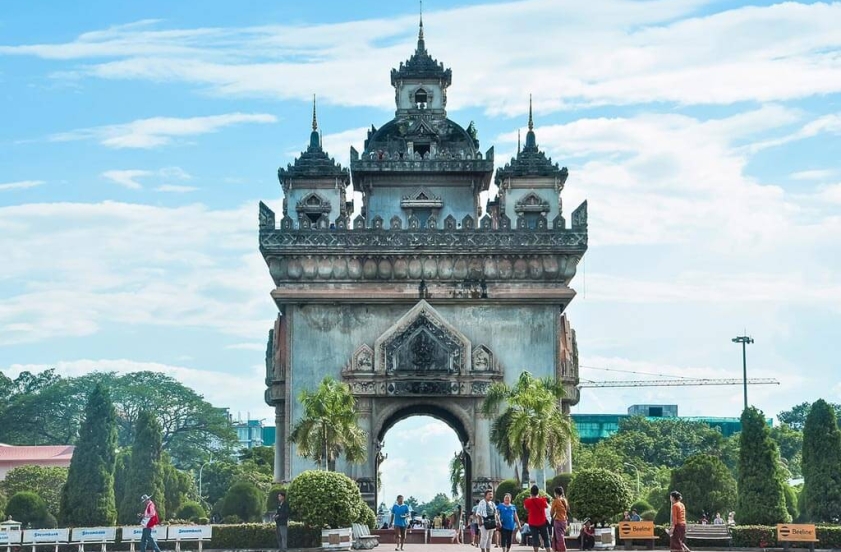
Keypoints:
pixel 536 507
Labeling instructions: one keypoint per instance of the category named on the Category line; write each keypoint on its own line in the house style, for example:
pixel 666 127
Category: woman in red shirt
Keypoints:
pixel 538 524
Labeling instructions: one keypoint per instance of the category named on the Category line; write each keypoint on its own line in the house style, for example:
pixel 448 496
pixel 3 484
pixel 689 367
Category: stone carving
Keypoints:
pixel 480 387
pixel 579 217
pixel 421 341
pixel 423 388
pixel 450 222
pixel 467 222
pixel 483 360
pixel 421 199
pixel 313 204
pixel 266 217
pixel 531 203
pixel 359 222
pixel 396 223
pixel 377 223
pixel 363 359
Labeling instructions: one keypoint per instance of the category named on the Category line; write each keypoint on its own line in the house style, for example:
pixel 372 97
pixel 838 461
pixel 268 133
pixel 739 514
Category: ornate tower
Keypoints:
pixel 422 301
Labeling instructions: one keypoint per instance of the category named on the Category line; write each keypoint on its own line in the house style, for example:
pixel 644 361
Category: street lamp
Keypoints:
pixel 200 471
pixel 745 341
pixel 638 476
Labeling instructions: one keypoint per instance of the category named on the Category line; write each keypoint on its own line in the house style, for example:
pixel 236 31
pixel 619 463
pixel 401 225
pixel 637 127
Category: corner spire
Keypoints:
pixel 518 140
pixel 531 119
pixel 315 139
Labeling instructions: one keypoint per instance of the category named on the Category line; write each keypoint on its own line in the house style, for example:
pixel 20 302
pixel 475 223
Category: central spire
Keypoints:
pixel 531 119
pixel 315 141
pixel 421 44
pixel 531 140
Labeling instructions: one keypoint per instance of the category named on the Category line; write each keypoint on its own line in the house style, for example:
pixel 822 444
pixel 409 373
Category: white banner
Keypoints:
pixel 132 533
pixel 190 532
pixel 8 538
pixel 94 534
pixel 46 535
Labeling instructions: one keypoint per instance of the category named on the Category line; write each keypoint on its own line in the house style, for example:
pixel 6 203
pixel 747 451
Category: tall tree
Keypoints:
pixel 88 496
pixel 761 499
pixel 329 427
pixel 706 485
pixel 822 464
pixel 145 474
pixel 532 428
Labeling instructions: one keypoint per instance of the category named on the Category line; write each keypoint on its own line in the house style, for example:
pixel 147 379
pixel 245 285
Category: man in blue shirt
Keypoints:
pixel 400 521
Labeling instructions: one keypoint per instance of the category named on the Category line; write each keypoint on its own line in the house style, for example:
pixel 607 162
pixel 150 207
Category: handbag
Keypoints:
pixel 490 522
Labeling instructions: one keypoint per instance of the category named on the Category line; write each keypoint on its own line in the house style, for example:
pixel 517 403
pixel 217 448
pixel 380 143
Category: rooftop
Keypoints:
pixel 9 453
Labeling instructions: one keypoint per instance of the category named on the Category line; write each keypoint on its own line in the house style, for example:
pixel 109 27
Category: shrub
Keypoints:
pixel 2 505
pixel 29 509
pixel 191 511
pixel 648 515
pixel 821 460
pixel 598 494
pixel 829 536
pixel 318 498
pixel 706 486
pixel 46 482
pixel 243 500
pixel 761 499
pixel 506 486
pixel 791 501
pixel 520 498
pixel 753 536
pixel 641 506
pixel 261 536
pixel 560 480
pixel 367 517
pixel 271 498
pixel 232 519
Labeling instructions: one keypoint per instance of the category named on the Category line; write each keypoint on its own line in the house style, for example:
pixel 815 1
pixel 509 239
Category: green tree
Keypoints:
pixel 88 496
pixel 790 443
pixel 46 482
pixel 243 500
pixel 121 467
pixel 458 481
pixel 795 418
pixel 761 499
pixel 440 504
pixel 145 474
pixel 258 459
pixel 822 463
pixel 532 429
pixel 706 485
pixel 179 487
pixel 329 427
pixel 599 495
pixel 217 478
pixel 412 502
pixel 29 509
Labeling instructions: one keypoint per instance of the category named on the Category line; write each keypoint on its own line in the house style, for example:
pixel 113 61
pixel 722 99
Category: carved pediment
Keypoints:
pixel 313 204
pixel 421 199
pixel 531 203
pixel 422 342
pixel 484 360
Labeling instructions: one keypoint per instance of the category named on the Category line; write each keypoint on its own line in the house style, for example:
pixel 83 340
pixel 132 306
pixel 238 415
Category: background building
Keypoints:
pixel 12 457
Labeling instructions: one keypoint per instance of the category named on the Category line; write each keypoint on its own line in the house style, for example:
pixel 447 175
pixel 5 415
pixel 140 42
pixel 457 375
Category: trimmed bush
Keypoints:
pixel 29 509
pixel 367 517
pixel 243 500
pixel 641 506
pixel 318 498
pixel 829 536
pixel 560 480
pixel 598 494
pixel 232 519
pixel 261 536
pixel 271 498
pixel 506 486
pixel 754 536
pixel 520 498
pixel 791 501
pixel 648 515
pixel 191 511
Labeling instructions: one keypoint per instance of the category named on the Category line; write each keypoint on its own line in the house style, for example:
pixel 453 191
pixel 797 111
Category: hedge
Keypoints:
pixel 753 536
pixel 262 536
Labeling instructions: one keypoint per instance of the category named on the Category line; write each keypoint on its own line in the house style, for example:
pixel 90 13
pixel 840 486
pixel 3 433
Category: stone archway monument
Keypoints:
pixel 423 299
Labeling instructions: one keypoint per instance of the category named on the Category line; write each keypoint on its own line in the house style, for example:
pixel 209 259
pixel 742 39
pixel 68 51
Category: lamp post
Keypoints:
pixel 745 341
pixel 200 472
pixel 638 476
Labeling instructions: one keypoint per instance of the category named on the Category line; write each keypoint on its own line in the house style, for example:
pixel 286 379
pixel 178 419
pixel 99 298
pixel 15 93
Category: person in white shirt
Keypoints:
pixel 488 520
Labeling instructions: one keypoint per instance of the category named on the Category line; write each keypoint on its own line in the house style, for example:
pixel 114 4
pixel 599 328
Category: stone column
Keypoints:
pixel 366 473
pixel 280 442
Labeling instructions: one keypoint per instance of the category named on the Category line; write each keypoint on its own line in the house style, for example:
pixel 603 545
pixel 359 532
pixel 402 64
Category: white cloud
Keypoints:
pixel 172 188
pixel 131 178
pixel 813 174
pixel 159 131
pixel 126 178
pixel 247 346
pixel 20 185
pixel 613 52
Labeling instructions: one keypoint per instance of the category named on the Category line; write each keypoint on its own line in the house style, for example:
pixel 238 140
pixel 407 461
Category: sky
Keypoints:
pixel 137 138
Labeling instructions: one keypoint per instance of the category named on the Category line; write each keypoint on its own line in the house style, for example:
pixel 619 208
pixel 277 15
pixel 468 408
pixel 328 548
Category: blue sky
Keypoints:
pixel 137 138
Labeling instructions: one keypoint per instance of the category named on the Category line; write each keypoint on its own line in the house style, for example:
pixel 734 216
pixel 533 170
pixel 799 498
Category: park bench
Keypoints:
pixel 43 537
pixel 103 536
pixel 362 537
pixel 699 531
pixel 788 533
pixel 630 531
pixel 10 538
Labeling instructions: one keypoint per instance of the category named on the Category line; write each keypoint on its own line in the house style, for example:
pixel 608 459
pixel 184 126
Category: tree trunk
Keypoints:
pixel 525 480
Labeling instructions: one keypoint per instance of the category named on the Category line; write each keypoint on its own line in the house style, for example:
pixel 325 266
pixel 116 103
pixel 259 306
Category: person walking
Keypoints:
pixel 400 522
pixel 281 519
pixel 536 507
pixel 488 520
pixel 458 523
pixel 508 521
pixel 559 513
pixel 474 525
pixel 677 541
pixel 148 521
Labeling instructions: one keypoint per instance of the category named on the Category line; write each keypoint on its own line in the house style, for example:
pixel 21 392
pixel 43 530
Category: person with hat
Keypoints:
pixel 148 521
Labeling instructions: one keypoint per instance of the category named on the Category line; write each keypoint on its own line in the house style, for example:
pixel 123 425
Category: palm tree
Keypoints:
pixel 532 429
pixel 329 426
pixel 457 477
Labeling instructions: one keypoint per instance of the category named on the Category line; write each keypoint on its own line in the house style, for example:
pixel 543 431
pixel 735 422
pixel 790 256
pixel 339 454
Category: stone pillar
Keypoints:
pixel 280 442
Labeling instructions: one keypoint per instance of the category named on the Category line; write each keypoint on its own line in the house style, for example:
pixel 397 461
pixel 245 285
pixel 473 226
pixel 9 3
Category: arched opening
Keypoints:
pixel 421 98
pixel 419 443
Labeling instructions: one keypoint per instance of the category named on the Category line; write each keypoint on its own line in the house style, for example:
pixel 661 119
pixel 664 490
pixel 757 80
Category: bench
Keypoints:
pixel 698 531
pixel 133 533
pixel 10 539
pixel 196 533
pixel 630 531
pixel 103 536
pixel 42 537
pixel 788 533
pixel 362 537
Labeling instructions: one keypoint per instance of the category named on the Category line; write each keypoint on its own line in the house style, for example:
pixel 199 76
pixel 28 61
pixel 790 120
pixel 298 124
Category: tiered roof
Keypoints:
pixel 530 160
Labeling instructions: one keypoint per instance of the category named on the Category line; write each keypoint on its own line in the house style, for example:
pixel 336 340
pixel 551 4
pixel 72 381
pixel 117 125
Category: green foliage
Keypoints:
pixel 822 463
pixel 245 501
pixel 192 511
pixel 521 498
pixel 761 499
pixel 46 409
pixel 598 494
pixel 507 486
pixel 121 467
pixel 29 509
pixel 754 536
pixel 88 497
pixel 46 482
pixel 706 485
pixel 367 517
pixel 791 501
pixel 261 536
pixel 795 418
pixel 532 429
pixel 412 502
pixel 440 503
pixel 458 481
pixel 329 427
pixel 318 498
pixel 648 515
pixel 3 500
pixel 145 472
pixel 179 487
pixel 231 519
pixel 260 459
pixel 560 480
pixel 790 443
pixel 271 498
pixel 217 478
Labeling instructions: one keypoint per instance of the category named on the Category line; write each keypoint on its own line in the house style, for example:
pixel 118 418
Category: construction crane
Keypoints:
pixel 677 382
